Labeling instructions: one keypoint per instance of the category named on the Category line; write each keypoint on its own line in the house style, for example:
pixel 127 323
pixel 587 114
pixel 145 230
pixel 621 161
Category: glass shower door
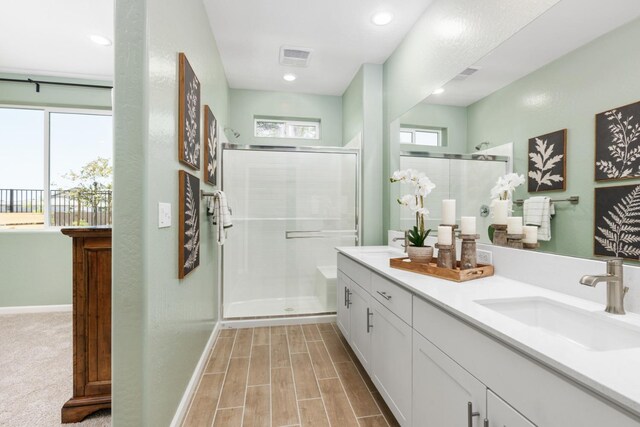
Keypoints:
pixel 290 210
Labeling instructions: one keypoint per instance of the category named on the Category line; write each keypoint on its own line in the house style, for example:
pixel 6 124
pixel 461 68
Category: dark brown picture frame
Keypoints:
pixel 547 162
pixel 188 114
pixel 617 221
pixel 188 223
pixel 211 139
pixel 617 144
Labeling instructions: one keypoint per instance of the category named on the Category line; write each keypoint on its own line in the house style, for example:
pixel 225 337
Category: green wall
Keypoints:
pixel 565 94
pixel 160 323
pixel 352 108
pixel 245 104
pixel 49 283
pixel 452 119
pixel 450 36
pixel 36 268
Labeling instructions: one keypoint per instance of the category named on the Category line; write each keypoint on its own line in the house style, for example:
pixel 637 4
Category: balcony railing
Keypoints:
pixel 66 207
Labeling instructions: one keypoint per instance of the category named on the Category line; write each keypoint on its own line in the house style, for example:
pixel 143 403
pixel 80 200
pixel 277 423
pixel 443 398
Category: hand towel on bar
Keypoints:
pixel 220 214
pixel 538 211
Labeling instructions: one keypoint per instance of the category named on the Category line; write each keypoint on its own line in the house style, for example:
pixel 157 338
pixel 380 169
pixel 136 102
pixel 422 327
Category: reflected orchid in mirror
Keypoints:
pixel 506 185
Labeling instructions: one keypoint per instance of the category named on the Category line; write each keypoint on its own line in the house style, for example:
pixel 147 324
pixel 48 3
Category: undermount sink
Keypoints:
pixel 591 330
pixel 383 253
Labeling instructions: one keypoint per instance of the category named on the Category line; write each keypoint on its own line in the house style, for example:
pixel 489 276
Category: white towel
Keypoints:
pixel 220 214
pixel 538 211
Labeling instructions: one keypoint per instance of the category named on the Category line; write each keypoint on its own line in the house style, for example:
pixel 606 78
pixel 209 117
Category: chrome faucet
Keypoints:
pixel 405 238
pixel 615 286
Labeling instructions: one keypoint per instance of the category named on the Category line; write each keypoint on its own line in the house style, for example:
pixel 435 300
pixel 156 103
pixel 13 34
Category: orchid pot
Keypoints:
pixel 420 254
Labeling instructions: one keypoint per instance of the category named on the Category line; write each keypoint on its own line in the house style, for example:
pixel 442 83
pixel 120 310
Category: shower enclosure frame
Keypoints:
pixel 288 149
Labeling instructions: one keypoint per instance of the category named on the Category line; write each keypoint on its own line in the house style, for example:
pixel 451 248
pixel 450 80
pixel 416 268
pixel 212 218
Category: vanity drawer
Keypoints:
pixel 356 272
pixel 392 296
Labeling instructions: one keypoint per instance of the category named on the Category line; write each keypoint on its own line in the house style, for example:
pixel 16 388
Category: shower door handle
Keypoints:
pixel 319 234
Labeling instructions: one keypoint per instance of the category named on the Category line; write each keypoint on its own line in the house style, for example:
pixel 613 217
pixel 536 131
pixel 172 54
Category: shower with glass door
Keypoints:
pixel 291 207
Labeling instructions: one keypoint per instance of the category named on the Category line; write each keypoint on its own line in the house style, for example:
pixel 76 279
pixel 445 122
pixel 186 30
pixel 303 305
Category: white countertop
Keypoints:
pixel 612 374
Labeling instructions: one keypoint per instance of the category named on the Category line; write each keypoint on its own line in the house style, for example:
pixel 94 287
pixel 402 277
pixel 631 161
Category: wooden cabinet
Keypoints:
pixel 501 414
pixel 391 361
pixel 91 323
pixel 444 394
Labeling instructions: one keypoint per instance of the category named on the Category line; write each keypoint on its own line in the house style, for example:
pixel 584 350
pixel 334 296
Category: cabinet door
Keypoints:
pixel 391 361
pixel 501 414
pixel 442 390
pixel 360 319
pixel 342 294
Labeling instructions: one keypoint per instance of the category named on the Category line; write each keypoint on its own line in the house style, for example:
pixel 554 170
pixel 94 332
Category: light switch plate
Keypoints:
pixel 484 257
pixel 164 215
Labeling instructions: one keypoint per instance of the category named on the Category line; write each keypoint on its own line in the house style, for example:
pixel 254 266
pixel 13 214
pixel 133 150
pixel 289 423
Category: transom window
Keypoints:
pixel 55 167
pixel 286 128
pixel 421 136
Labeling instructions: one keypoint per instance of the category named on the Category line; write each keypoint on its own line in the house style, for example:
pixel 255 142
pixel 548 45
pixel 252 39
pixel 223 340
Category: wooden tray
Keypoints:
pixel 431 269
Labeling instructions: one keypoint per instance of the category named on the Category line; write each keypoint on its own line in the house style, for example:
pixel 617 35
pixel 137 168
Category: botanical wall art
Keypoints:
pixel 211 150
pixel 618 143
pixel 189 224
pixel 617 221
pixel 188 115
pixel 548 162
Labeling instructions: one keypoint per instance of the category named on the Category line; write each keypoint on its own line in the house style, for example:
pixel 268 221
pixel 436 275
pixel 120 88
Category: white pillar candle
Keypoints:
pixel 444 235
pixel 468 225
pixel 500 211
pixel 530 234
pixel 449 211
pixel 514 225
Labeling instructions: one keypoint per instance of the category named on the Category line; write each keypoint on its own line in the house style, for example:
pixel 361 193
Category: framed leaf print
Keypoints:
pixel 188 114
pixel 618 143
pixel 189 224
pixel 211 141
pixel 617 222
pixel 548 162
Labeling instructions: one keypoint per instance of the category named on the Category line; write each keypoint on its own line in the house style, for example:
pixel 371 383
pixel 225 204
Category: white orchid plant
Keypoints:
pixel 505 186
pixel 415 202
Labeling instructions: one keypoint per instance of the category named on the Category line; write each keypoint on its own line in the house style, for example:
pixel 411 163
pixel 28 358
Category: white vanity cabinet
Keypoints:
pixel 391 361
pixel 501 414
pixel 435 368
pixel 370 317
pixel 444 394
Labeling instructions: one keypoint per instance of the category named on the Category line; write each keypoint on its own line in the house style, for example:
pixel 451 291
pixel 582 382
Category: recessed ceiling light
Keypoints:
pixel 101 40
pixel 438 91
pixel 382 18
pixel 289 77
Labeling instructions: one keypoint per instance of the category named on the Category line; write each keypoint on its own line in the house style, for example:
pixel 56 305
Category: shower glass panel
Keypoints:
pixel 291 208
pixel 467 180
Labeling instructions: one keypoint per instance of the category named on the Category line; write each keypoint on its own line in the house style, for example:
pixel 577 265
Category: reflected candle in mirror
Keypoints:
pixel 444 235
pixel 500 210
pixel 514 225
pixel 530 234
pixel 468 225
pixel 449 211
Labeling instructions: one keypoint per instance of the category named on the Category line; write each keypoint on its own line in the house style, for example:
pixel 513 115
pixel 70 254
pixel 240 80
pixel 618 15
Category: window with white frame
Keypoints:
pixel 421 136
pixel 55 167
pixel 266 127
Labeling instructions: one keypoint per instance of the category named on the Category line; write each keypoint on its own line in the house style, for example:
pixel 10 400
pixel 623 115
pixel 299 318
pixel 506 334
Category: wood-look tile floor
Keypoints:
pixel 297 375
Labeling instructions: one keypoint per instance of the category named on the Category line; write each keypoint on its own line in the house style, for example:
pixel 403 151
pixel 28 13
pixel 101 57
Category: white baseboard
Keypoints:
pixel 279 321
pixel 183 407
pixel 35 309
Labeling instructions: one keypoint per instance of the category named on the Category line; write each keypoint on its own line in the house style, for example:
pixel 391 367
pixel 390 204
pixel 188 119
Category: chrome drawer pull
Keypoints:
pixel 471 414
pixel 384 295
pixel 369 315
pixel 349 293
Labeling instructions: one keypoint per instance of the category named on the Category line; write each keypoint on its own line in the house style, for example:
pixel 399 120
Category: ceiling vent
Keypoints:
pixel 466 73
pixel 294 56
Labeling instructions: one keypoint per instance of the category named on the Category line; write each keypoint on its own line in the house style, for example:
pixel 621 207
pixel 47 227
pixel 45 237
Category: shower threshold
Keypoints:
pixel 270 307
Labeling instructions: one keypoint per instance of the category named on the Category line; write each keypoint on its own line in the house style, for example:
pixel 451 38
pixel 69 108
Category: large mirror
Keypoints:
pixel 544 85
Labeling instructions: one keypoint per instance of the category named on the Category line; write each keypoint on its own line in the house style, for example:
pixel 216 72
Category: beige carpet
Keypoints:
pixel 36 371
